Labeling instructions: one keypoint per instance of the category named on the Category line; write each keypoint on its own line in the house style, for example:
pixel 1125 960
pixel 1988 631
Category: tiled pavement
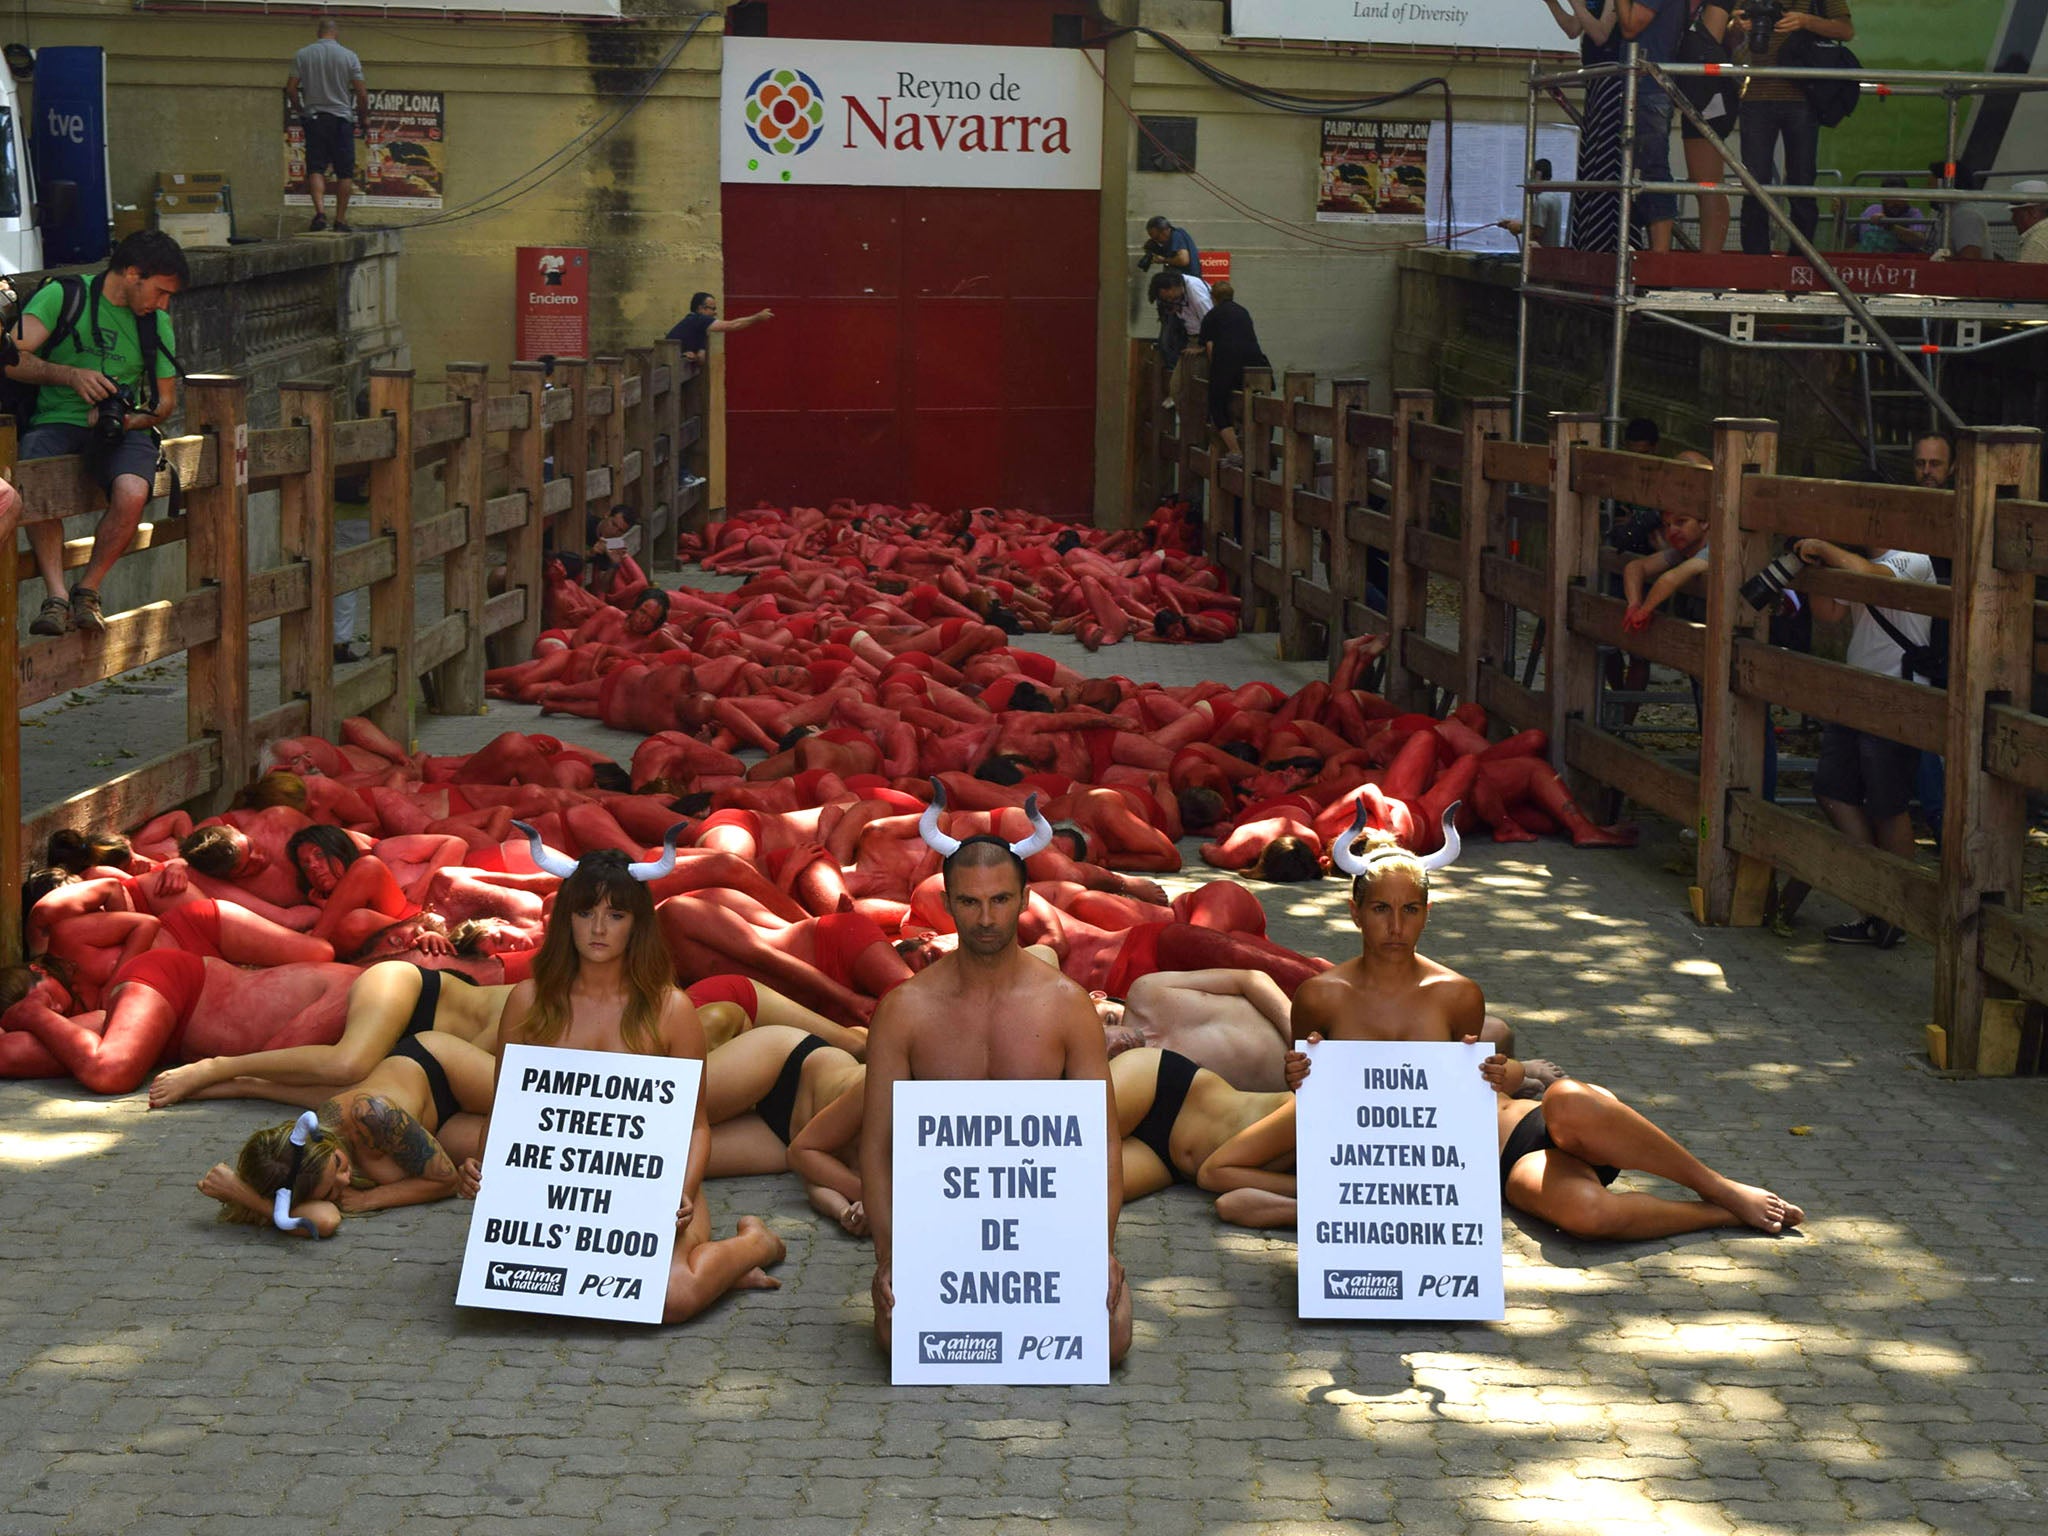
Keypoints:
pixel 1880 1373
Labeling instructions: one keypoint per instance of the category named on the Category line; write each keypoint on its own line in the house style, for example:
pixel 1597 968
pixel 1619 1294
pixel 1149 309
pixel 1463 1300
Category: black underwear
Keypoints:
pixel 430 999
pixel 780 1101
pixel 1532 1135
pixel 446 1105
pixel 1169 1093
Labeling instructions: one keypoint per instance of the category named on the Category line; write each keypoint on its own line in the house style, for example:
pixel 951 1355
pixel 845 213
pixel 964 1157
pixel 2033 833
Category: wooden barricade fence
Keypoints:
pixel 620 432
pixel 1379 516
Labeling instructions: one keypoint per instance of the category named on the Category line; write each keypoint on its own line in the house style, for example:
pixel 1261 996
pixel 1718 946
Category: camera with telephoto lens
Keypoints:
pixel 1764 16
pixel 1764 590
pixel 1634 530
pixel 110 426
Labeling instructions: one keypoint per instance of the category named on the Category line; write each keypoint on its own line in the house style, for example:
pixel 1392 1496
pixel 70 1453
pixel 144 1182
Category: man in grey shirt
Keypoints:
pixel 328 97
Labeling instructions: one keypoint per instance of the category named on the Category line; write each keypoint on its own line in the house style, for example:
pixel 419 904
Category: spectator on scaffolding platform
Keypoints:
pixel 1864 783
pixel 1893 224
pixel 1775 111
pixel 115 354
pixel 2030 219
pixel 1655 27
pixel 1969 233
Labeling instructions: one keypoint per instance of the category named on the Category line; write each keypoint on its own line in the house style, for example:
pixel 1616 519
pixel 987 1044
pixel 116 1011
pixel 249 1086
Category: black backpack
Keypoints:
pixel 1831 100
pixel 19 400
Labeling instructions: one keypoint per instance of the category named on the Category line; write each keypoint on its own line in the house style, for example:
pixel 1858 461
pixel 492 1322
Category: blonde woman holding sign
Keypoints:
pixel 604 981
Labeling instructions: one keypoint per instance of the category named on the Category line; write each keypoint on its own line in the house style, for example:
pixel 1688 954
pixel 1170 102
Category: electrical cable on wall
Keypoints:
pixel 1297 104
pixel 574 150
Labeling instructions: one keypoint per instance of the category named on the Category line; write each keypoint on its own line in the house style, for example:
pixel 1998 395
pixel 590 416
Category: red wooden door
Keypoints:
pixel 930 344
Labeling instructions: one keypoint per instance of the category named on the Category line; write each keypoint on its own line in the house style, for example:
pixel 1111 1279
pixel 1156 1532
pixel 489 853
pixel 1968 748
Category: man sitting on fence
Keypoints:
pixel 92 346
pixel 1865 782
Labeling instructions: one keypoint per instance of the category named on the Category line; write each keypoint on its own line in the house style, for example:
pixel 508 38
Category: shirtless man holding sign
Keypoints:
pixel 989 1011
pixel 1557 1155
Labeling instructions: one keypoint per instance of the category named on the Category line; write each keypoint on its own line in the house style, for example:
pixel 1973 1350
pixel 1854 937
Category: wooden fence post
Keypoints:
pixel 1572 663
pixel 1253 543
pixel 391 600
pixel 1482 531
pixel 216 555
pixel 525 449
pixel 609 373
pixel 11 870
pixel 1733 888
pixel 1191 426
pixel 1350 468
pixel 639 439
pixel 306 537
pixel 1407 583
pixel 570 444
pixel 1297 469
pixel 1991 645
pixel 459 681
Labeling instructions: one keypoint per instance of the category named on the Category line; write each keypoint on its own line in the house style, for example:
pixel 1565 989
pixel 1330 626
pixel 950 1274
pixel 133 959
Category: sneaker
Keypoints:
pixel 54 619
pixel 319 223
pixel 1888 937
pixel 85 610
pixel 1865 930
pixel 341 228
pixel 345 654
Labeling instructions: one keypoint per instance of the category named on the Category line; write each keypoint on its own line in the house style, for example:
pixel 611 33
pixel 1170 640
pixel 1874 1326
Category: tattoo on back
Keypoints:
pixel 381 1126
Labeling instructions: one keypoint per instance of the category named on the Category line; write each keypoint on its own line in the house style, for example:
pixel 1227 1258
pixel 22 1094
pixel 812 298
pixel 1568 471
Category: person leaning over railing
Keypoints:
pixel 108 348
pixel 1863 782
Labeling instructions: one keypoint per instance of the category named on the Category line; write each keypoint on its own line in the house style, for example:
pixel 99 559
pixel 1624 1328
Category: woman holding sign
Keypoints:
pixel 604 981
pixel 1557 1156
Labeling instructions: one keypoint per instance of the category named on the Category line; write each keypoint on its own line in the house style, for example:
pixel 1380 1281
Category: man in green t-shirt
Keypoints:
pixel 102 354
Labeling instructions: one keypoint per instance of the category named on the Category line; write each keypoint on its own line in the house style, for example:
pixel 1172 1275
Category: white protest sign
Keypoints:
pixel 800 112
pixel 1397 1177
pixel 582 1179
pixel 1001 1219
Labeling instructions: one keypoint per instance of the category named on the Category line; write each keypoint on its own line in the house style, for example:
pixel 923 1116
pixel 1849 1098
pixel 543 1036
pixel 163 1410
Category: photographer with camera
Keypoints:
pixel 1768 35
pixel 1173 249
pixel 1864 783
pixel 97 349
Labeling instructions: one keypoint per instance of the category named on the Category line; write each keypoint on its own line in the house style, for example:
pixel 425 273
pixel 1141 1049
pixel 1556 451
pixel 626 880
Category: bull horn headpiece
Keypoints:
pixel 928 827
pixel 1357 864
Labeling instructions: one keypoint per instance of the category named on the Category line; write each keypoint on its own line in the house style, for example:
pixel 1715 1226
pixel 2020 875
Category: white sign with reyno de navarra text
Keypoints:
pixel 1001 1223
pixel 800 112
pixel 583 1175
pixel 1397 1177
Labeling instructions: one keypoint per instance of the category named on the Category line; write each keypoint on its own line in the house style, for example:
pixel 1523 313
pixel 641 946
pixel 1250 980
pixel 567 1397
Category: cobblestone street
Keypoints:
pixel 1880 1372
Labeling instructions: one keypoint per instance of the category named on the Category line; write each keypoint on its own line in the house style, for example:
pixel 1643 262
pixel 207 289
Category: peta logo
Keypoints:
pixel 1051 1346
pixel 1448 1285
pixel 959 1349
pixel 527 1279
pixel 1361 1285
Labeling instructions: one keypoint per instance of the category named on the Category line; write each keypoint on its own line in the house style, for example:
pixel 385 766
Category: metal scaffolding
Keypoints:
pixel 1839 319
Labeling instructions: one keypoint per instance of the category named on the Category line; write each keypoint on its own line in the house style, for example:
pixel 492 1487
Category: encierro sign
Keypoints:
pixel 806 113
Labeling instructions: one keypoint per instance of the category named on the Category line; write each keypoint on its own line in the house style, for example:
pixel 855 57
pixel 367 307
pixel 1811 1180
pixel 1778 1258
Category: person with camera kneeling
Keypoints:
pixel 1864 783
pixel 97 349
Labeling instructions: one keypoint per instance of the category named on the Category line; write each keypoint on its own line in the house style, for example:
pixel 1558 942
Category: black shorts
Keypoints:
pixel 1860 769
pixel 136 456
pixel 330 146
